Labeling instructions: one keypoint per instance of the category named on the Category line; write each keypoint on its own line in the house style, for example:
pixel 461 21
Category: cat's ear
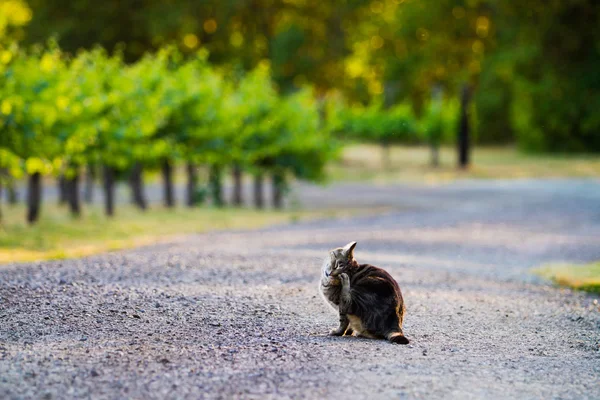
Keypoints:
pixel 349 250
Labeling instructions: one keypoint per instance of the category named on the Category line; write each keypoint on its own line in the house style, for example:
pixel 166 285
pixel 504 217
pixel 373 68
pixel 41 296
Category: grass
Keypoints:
pixel 580 277
pixel 363 162
pixel 58 235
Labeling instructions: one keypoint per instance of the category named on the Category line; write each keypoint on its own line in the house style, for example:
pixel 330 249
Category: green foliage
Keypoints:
pixel 31 108
pixel 303 40
pixel 432 124
pixel 60 113
pixel 255 104
pixel 532 65
pixel 203 124
pixel 492 101
pixel 556 86
pixel 545 121
pixel 584 277
pixel 303 146
pixel 439 121
pixel 376 124
pixel 14 15
pixel 280 133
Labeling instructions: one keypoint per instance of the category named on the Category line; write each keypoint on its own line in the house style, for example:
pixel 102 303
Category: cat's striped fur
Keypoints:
pixel 368 300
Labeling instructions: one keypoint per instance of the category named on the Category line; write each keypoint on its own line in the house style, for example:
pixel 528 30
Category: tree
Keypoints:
pixel 85 103
pixel 31 112
pixel 377 124
pixel 202 125
pixel 553 59
pixel 299 146
pixel 406 49
pixel 256 100
pixel 14 16
pixel 136 107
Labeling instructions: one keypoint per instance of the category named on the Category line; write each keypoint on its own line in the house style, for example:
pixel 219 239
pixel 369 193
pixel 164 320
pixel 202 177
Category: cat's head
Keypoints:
pixel 341 258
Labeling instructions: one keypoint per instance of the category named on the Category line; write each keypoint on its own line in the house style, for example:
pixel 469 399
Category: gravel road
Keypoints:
pixel 237 314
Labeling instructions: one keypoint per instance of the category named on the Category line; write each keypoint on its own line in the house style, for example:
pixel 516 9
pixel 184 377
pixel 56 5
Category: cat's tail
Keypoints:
pixel 398 338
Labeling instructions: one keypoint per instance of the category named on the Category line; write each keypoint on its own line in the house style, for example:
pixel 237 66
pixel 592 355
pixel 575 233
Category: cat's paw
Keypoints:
pixel 336 332
pixel 345 279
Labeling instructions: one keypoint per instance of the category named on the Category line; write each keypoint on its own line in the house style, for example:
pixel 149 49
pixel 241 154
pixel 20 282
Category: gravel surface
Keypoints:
pixel 237 314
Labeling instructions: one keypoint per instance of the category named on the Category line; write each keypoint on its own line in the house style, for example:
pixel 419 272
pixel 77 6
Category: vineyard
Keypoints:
pixel 94 117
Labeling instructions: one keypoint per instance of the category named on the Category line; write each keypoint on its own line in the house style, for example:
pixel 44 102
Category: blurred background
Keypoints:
pixel 123 121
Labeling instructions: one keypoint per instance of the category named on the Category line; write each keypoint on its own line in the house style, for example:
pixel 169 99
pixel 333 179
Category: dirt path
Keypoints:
pixel 237 315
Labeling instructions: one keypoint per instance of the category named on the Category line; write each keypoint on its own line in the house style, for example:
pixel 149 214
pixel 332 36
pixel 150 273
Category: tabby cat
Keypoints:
pixel 367 298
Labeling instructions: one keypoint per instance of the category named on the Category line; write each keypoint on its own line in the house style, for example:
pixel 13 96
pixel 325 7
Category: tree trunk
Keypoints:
pixel 192 184
pixel 435 136
pixel 88 190
pixel 435 155
pixel 109 190
pixel 278 189
pixel 390 89
pixel 136 182
pixel 259 200
pixel 169 195
pixel 237 185
pixel 72 189
pixel 62 189
pixel 464 145
pixel 11 192
pixel 386 155
pixel 34 197
pixel 216 187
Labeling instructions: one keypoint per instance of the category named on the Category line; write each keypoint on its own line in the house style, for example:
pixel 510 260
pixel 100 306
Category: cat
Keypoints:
pixel 367 298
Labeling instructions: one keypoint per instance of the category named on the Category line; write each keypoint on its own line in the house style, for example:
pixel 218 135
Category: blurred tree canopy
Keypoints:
pixel 532 66
pixel 304 40
pixel 14 15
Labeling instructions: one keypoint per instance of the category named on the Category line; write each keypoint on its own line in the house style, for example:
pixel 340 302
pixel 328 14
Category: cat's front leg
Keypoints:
pixel 344 322
pixel 345 298
pixel 344 307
